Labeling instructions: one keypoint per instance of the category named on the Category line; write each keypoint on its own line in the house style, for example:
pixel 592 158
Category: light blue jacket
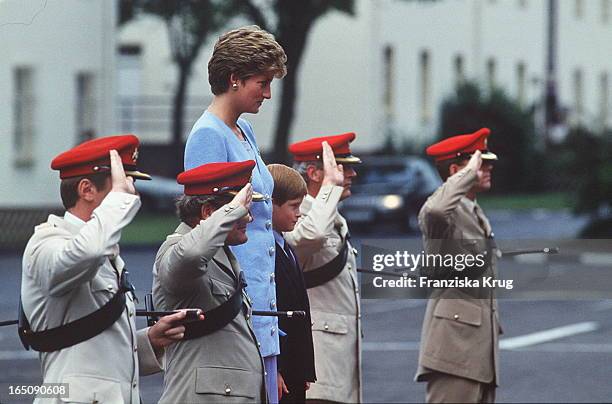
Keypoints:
pixel 211 140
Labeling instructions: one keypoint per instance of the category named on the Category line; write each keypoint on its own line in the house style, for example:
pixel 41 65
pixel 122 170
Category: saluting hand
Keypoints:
pixel 476 163
pixel 168 330
pixel 475 160
pixel 333 173
pixel 244 197
pixel 120 183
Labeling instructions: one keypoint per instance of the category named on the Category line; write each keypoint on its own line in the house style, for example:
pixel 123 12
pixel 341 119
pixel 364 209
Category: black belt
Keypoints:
pixel 219 317
pixel 77 331
pixel 327 272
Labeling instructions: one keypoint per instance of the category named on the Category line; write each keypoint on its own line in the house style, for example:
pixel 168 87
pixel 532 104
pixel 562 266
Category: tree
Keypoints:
pixel 512 133
pixel 291 22
pixel 189 23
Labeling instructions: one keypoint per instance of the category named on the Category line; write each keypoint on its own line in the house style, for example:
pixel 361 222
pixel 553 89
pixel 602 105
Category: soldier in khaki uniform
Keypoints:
pixel 459 342
pixel 219 360
pixel 321 242
pixel 72 271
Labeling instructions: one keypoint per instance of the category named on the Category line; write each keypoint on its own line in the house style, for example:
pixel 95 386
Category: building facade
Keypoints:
pixel 57 74
pixel 387 68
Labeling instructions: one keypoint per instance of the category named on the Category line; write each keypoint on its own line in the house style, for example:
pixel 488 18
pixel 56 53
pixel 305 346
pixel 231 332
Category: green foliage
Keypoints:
pixel 584 160
pixel 512 133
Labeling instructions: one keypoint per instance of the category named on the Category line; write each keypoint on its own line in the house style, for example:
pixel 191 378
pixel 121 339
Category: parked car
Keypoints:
pixel 159 194
pixel 391 190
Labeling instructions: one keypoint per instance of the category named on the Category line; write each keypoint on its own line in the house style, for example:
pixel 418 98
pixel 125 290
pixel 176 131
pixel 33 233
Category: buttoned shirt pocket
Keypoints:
pixel 460 311
pixel 219 288
pixel 227 381
pixel 92 389
pixel 100 284
pixel 332 323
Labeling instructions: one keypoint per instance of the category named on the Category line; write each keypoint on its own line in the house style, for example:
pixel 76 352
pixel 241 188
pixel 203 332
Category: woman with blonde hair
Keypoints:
pixel 243 64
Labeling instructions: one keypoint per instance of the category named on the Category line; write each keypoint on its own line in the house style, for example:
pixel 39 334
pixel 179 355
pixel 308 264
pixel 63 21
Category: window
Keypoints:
pixel 578 95
pixel 23 118
pixel 425 66
pixel 604 102
pixel 389 80
pixel 579 9
pixel 491 72
pixel 459 66
pixel 521 83
pixel 85 107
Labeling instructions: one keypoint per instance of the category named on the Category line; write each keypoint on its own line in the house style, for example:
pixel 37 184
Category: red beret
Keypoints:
pixel 312 149
pixel 462 144
pixel 93 157
pixel 218 178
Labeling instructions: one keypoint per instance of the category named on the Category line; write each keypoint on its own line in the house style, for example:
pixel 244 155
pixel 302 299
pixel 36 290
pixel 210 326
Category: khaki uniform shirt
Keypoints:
pixel 334 306
pixel 67 274
pixel 194 269
pixel 460 333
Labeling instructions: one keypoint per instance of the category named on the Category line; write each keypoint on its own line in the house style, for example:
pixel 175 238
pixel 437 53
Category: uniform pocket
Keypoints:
pixel 461 311
pixel 228 381
pixel 330 323
pixel 91 389
pixel 102 284
pixel 219 288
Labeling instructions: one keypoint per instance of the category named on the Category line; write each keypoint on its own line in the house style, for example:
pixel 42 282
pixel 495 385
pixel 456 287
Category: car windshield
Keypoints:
pixel 384 174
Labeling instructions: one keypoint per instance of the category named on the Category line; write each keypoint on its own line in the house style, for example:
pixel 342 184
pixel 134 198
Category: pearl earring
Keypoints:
pixel 234 86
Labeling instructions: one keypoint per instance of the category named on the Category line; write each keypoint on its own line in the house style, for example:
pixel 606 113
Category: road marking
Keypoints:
pixel 17 355
pixel 541 337
pixel 571 347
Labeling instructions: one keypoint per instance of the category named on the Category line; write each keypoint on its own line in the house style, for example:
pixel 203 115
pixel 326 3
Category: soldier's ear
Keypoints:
pixel 86 190
pixel 206 210
pixel 453 168
pixel 314 173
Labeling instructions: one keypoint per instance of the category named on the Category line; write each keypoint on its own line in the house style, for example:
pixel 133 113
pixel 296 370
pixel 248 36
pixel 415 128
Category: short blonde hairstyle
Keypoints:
pixel 245 52
pixel 288 184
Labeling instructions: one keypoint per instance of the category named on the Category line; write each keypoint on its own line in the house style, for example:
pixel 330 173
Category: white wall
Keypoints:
pixel 57 42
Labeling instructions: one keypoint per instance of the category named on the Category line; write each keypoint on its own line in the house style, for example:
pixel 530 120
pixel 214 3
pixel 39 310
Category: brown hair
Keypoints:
pixel 443 166
pixel 288 184
pixel 245 52
pixel 189 207
pixel 69 187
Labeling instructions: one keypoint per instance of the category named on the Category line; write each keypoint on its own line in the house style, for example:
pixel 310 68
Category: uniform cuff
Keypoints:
pixel 149 361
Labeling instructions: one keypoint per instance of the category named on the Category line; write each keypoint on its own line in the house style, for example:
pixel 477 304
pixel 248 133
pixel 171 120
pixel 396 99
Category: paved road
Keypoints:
pixel 556 350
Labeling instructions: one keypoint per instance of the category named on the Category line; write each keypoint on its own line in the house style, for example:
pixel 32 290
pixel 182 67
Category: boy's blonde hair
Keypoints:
pixel 245 52
pixel 288 184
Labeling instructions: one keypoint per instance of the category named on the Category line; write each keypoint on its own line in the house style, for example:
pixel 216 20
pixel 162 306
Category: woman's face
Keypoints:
pixel 252 92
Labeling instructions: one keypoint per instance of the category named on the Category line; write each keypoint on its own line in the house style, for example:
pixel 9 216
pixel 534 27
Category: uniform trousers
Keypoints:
pixel 446 388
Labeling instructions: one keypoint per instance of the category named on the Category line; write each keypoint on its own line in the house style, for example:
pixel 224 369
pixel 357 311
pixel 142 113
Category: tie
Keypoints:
pixel 289 254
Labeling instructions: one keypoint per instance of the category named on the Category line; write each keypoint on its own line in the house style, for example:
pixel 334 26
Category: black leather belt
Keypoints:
pixel 327 272
pixel 77 331
pixel 219 317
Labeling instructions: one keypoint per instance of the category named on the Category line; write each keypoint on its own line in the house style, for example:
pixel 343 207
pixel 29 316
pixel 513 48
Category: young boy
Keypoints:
pixel 296 361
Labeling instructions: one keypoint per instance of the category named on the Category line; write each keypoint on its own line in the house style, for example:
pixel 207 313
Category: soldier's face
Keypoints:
pixel 285 216
pixel 349 174
pixel 484 177
pixel 238 234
